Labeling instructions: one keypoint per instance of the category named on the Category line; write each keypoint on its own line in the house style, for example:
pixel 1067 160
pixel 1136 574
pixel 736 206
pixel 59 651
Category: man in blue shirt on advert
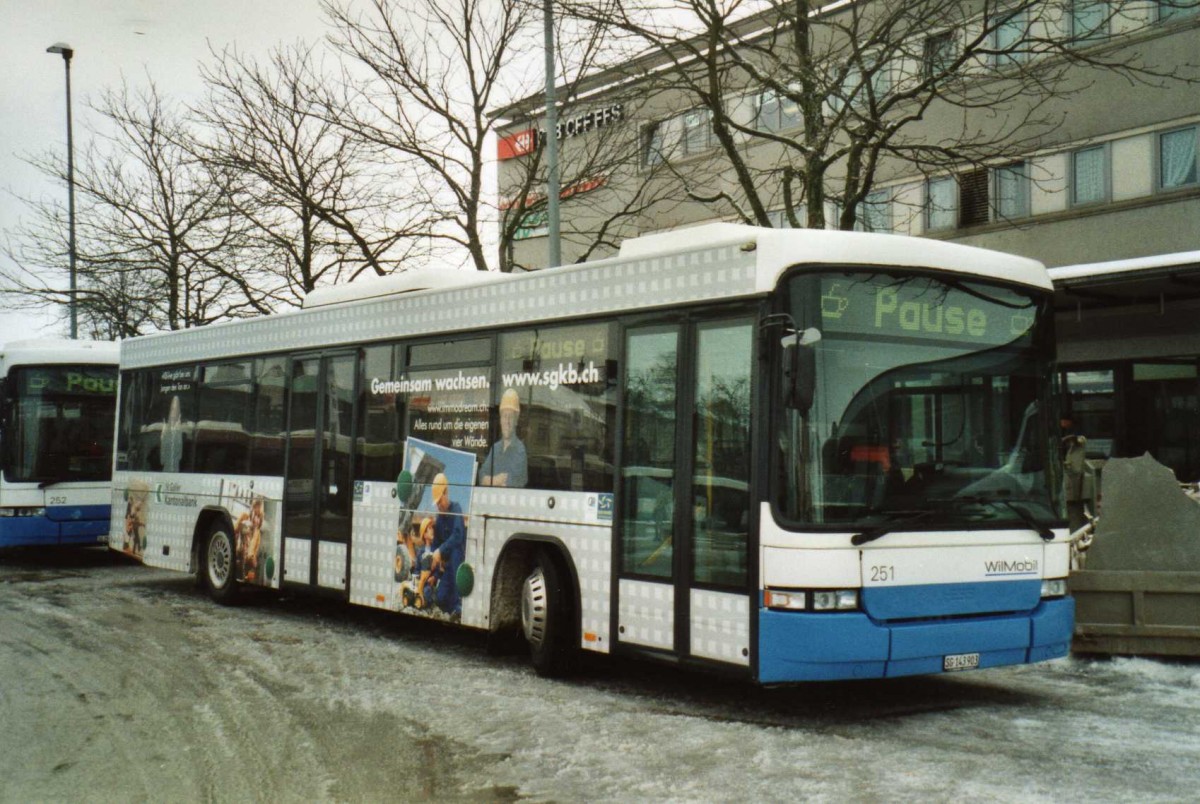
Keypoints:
pixel 506 463
pixel 449 546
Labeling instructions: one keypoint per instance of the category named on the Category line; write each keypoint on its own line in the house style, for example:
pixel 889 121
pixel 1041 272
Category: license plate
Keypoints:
pixel 960 661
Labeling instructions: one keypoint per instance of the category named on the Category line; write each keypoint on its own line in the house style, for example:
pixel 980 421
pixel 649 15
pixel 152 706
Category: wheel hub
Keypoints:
pixel 220 560
pixel 533 608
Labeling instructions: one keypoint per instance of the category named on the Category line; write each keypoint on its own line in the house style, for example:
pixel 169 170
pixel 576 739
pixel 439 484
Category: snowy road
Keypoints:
pixel 119 682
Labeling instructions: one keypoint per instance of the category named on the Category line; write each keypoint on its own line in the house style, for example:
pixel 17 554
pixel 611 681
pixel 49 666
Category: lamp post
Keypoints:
pixel 552 189
pixel 67 52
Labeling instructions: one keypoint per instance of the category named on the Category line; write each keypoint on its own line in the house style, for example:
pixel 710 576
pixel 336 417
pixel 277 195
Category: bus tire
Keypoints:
pixel 218 564
pixel 546 616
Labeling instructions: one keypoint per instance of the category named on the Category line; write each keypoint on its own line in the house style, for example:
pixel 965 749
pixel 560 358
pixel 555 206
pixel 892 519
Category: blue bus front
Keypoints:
pixel 57 455
pixel 915 522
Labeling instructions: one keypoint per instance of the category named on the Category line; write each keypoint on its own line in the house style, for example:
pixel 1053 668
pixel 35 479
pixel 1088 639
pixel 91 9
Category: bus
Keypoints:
pixel 790 455
pixel 57 416
pixel 1129 367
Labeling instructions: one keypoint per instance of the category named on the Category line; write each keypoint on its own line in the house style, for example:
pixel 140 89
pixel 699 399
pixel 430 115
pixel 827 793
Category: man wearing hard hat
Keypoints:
pixel 506 463
pixel 449 546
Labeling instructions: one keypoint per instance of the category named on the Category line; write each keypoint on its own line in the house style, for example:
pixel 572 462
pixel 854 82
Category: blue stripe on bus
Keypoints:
pixel 945 599
pixel 809 646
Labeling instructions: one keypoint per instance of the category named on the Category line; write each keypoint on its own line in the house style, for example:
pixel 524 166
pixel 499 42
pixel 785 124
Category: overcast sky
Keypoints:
pixel 111 39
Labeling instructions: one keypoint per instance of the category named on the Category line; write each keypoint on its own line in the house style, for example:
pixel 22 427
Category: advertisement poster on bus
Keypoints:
pixel 137 511
pixel 255 522
pixel 434 491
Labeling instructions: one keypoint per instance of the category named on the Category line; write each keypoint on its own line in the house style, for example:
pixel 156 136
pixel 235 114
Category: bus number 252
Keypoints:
pixel 883 573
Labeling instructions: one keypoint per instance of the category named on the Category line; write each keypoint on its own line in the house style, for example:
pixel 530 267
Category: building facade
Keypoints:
pixel 1110 174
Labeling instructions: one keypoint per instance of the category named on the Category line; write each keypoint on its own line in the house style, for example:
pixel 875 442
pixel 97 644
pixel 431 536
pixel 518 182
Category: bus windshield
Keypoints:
pixel 930 405
pixel 58 426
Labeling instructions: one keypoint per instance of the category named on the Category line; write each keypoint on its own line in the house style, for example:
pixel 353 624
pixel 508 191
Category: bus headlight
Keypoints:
pixel 1054 587
pixel 791 599
pixel 22 512
pixel 835 599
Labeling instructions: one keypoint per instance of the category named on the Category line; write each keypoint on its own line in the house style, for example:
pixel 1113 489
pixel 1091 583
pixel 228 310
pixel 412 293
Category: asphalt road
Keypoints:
pixel 122 683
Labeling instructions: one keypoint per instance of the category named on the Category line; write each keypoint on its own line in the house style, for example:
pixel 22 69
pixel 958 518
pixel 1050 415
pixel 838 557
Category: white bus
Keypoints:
pixel 57 412
pixel 791 455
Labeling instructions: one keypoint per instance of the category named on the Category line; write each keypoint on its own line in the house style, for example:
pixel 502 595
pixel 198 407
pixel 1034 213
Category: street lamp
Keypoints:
pixel 67 52
pixel 552 190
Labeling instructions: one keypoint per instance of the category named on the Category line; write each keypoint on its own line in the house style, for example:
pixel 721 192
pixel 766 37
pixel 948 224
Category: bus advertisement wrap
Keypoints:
pixel 434 494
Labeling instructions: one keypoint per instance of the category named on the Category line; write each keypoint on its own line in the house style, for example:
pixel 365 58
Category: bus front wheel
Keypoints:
pixel 546 618
pixel 218 563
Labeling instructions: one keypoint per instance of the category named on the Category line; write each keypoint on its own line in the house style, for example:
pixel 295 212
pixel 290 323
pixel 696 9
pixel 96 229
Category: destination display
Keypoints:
pixel 92 381
pixel 924 308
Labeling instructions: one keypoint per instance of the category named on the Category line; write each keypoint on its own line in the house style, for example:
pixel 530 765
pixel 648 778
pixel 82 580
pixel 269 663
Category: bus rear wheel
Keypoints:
pixel 546 614
pixel 218 564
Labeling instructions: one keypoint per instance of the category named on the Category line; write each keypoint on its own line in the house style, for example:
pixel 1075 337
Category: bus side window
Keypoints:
pixel 554 403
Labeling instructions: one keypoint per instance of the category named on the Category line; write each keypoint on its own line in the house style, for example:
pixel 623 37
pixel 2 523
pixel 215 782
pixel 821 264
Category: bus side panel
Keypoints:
pixel 720 626
pixel 384 575
pixel 576 520
pixel 375 575
pixel 154 519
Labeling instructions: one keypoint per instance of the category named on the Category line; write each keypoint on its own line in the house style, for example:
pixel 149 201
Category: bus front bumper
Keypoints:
pixel 801 646
pixel 62 525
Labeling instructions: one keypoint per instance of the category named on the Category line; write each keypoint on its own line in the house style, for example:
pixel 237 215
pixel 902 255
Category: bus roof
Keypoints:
pixel 780 249
pixel 717 261
pixel 50 350
pixel 1120 270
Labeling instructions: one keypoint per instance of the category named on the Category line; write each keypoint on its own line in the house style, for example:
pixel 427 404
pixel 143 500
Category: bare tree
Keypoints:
pixel 799 104
pixel 310 190
pixel 158 242
pixel 607 197
pixel 421 79
pixel 607 194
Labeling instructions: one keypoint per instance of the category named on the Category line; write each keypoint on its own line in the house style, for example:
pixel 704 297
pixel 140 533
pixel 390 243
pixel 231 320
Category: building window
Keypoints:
pixel 1012 191
pixel 940 52
pixel 775 113
pixel 1176 9
pixel 974 207
pixel 1010 39
pixel 1089 21
pixel 766 117
pixel 881 80
pixel 779 219
pixel 1089 176
pixel 1177 158
pixel 875 212
pixel 697 131
pixel 941 204
pixel 859 90
pixel 653 152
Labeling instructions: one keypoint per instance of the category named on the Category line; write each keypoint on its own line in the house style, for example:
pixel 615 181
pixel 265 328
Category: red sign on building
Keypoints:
pixel 518 144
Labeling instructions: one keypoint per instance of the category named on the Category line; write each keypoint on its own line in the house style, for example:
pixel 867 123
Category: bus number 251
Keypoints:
pixel 883 573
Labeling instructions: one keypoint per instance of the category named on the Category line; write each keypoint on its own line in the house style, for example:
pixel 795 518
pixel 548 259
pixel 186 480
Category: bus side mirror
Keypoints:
pixel 800 370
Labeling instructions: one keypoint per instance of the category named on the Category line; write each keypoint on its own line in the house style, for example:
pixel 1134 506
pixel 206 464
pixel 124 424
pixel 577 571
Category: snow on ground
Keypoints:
pixel 126 683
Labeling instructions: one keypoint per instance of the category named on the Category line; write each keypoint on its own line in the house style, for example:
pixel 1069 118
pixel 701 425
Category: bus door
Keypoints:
pixel 684 489
pixel 318 477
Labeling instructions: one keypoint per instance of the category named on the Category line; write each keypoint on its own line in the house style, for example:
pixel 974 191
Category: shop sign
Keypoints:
pixel 525 141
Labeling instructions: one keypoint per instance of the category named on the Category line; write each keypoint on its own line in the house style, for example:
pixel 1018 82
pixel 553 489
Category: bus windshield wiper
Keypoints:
pixel 1024 515
pixel 53 481
pixel 871 534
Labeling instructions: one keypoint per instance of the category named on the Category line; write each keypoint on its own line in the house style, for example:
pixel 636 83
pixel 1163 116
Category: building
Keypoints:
pixel 1105 168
